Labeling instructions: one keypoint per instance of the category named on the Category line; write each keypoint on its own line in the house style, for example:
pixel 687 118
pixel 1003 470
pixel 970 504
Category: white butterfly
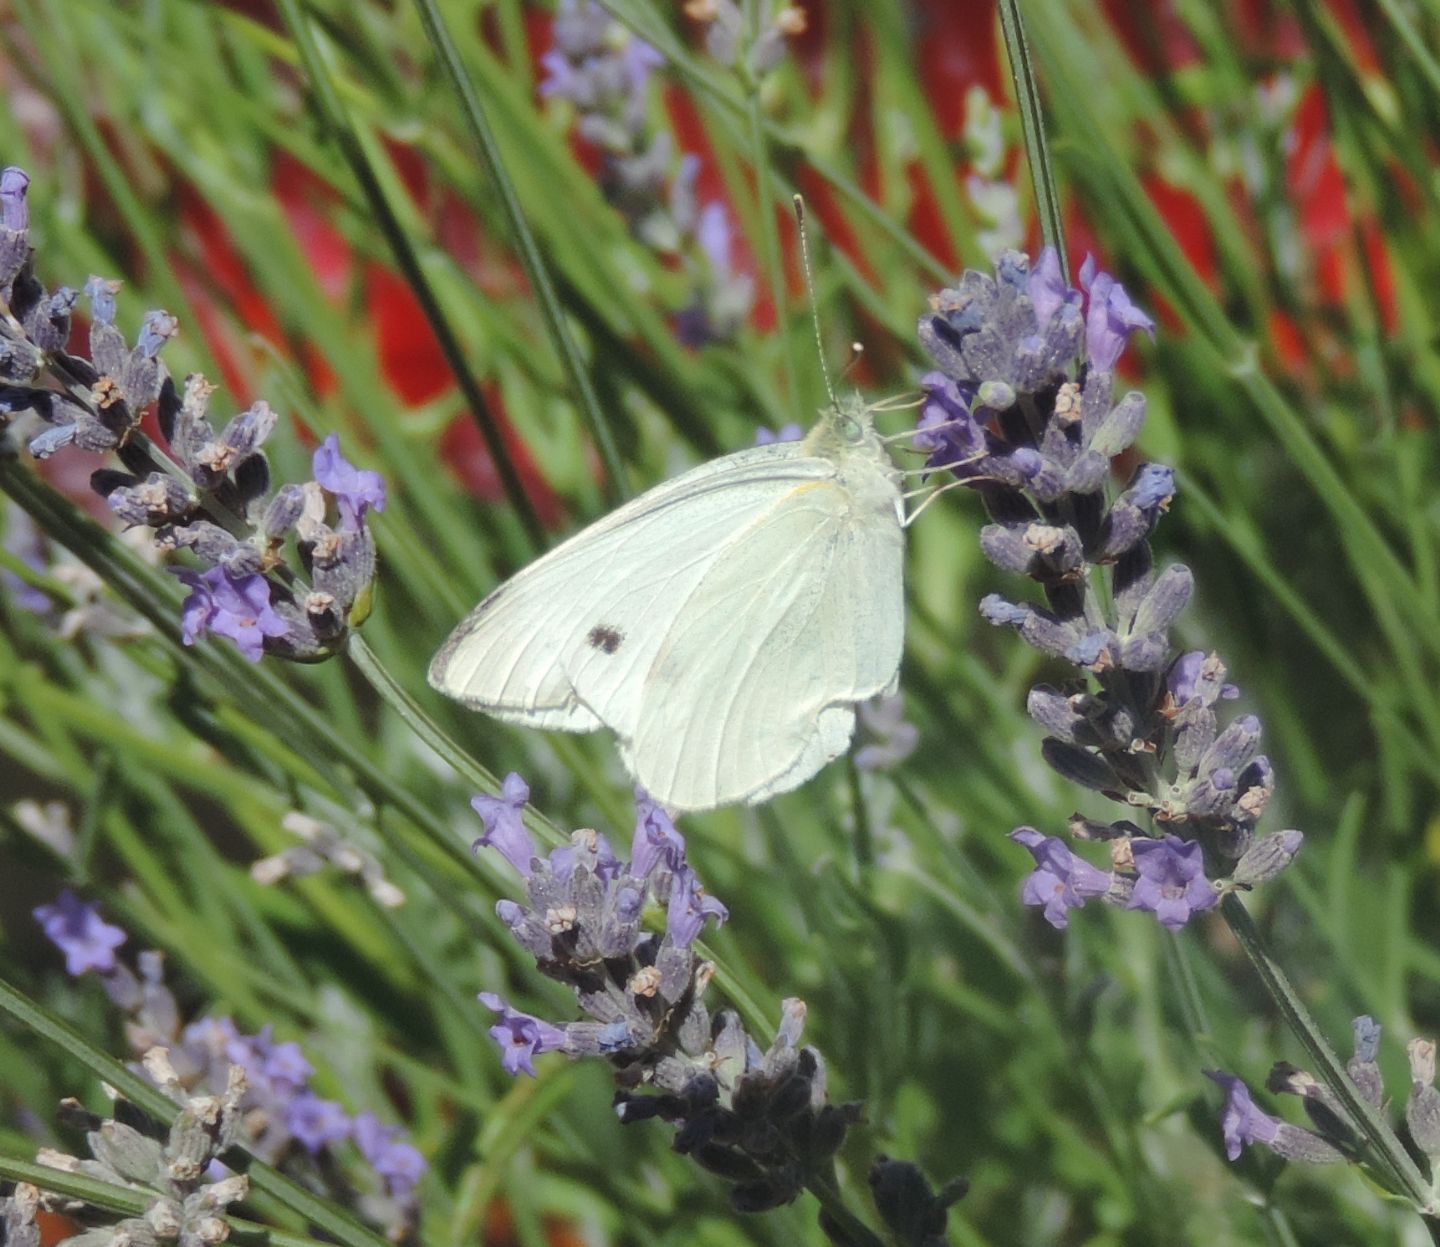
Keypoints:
pixel 723 625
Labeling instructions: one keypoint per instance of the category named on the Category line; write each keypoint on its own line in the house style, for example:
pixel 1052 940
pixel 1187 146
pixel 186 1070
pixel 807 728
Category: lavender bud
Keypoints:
pixel 1267 858
pixel 1234 747
pixel 283 511
pixel 49 322
pixel 1293 1143
pixel 1080 766
pixel 1167 597
pixel 45 444
pixel 159 499
pixel 248 431
pixel 101 294
pixel 14 212
pixel 996 395
pixel 19 360
pixel 1361 1067
pixel 1053 711
pixel 1119 429
pixel 14 232
pixel 1422 1112
pixel 107 344
pixel 1087 474
pixel 1149 652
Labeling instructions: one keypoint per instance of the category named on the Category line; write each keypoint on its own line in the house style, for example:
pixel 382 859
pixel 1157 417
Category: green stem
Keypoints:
pixel 1032 123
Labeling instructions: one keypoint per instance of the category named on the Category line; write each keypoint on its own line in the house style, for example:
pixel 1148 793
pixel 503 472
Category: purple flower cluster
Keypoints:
pixel 757 1117
pixel 1022 409
pixel 604 73
pixel 212 495
pixel 284 1121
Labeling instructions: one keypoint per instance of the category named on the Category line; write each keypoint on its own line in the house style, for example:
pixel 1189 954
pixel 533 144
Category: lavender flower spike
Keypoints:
pixel 76 928
pixel 504 830
pixel 1172 883
pixel 1061 881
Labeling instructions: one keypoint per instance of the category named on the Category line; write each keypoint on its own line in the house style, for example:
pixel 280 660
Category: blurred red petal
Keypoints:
pixel 309 206
pixel 1353 23
pixel 1313 175
pixel 926 221
pixel 410 357
pixel 955 48
pixel 1288 342
pixel 1154 34
pixel 1188 225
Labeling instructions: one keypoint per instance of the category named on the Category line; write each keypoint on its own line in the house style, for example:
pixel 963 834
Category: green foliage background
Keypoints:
pixel 1062 1075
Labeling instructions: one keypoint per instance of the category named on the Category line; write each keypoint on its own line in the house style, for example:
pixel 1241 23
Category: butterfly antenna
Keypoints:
pixel 799 202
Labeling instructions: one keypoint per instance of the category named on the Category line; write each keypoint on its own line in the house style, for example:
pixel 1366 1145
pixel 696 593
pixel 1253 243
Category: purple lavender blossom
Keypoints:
pixel 689 906
pixel 1183 680
pixel 227 605
pixel 521 1037
pixel 504 828
pixel 656 841
pixel 1061 881
pixel 1240 1121
pixel 355 489
pixel 605 865
pixel 76 928
pixel 1048 289
pixel 946 429
pixel 316 1123
pixel 397 1162
pixel 1110 317
pixel 284 1064
pixel 1172 883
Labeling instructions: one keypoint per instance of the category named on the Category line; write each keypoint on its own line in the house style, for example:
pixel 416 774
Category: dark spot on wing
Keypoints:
pixel 605 638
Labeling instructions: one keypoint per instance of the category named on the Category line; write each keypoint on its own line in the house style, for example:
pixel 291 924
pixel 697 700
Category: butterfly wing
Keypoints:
pixel 566 643
pixel 754 687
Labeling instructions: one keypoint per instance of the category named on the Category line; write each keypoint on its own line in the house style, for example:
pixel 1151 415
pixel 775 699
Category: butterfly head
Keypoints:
pixel 843 428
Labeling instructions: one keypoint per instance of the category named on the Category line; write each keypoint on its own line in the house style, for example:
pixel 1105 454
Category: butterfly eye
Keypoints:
pixel 848 427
